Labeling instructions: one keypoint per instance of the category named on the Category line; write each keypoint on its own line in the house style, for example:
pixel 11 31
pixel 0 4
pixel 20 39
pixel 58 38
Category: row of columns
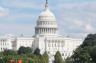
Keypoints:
pixel 46 30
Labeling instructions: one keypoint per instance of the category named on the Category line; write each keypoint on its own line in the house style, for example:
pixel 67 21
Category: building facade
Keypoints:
pixel 46 38
pixel 5 43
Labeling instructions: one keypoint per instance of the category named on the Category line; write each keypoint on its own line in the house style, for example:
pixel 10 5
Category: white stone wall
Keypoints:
pixel 64 45
pixel 5 43
pixel 26 42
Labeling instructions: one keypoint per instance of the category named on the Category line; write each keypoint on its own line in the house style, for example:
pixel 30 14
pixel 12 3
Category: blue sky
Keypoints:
pixel 76 18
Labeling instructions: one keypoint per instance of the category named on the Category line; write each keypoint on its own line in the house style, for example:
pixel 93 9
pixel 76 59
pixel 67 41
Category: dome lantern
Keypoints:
pixel 46 5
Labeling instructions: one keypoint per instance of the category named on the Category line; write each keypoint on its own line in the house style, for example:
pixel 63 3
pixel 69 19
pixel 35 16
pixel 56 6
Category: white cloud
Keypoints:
pixel 76 18
pixel 79 35
pixel 22 4
pixel 17 29
pixel 9 35
pixel 19 18
pixel 90 27
pixel 3 11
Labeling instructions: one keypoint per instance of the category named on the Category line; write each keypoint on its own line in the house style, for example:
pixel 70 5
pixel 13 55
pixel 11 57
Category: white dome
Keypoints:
pixel 46 24
pixel 47 13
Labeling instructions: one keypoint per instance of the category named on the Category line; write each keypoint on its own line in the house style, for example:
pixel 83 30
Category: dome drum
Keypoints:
pixel 46 31
pixel 46 24
pixel 47 27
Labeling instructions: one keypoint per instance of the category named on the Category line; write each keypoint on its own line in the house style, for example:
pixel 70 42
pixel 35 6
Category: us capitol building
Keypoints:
pixel 46 38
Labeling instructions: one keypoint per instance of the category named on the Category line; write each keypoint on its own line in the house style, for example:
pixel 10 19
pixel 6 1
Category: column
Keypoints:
pixel 40 30
pixel 43 30
pixel 36 31
pixel 52 31
pixel 48 31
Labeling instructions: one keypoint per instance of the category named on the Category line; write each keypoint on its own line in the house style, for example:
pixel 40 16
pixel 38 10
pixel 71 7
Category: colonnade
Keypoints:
pixel 46 30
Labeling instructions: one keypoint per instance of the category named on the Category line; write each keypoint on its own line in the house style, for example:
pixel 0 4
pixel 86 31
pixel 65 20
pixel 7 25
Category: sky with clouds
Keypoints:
pixel 75 18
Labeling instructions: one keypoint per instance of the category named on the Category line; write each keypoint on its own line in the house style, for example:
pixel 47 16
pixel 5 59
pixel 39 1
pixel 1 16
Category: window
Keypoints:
pixel 55 45
pixel 1 48
pixel 1 40
pixel 3 44
pixel 48 52
pixel 58 45
pixel 62 54
pixel 52 45
pixel 69 54
pixel 66 54
pixel 49 45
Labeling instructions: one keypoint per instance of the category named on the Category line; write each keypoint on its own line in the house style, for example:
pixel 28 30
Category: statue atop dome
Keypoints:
pixel 46 5
pixel 46 1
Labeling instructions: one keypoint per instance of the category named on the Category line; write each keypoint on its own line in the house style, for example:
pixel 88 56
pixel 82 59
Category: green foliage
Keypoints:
pixel 90 40
pixel 8 55
pixel 58 58
pixel 86 53
pixel 68 60
pixel 45 57
pixel 9 52
pixel 93 53
pixel 34 57
pixel 25 55
pixel 37 52
pixel 24 50
pixel 42 60
pixel 5 59
pixel 30 60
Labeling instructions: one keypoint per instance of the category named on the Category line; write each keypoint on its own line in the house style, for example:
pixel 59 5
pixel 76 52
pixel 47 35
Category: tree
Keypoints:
pixel 33 56
pixel 24 50
pixel 42 60
pixel 30 60
pixel 58 58
pixel 37 52
pixel 93 54
pixel 46 57
pixel 86 53
pixel 90 40
pixel 9 52
pixel 68 60
pixel 26 58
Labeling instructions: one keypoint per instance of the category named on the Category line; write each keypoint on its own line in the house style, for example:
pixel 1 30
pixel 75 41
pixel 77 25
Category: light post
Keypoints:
pixel 0 59
pixel 90 60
